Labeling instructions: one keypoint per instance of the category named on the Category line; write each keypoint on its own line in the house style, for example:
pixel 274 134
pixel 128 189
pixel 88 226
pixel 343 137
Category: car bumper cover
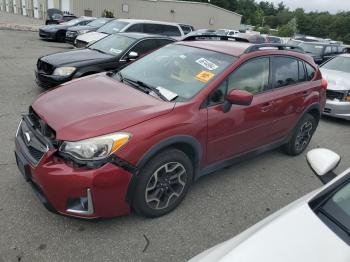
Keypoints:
pixel 339 109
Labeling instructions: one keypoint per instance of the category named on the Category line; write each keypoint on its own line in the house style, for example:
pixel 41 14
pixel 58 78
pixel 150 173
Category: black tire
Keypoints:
pixel 165 185
pixel 302 135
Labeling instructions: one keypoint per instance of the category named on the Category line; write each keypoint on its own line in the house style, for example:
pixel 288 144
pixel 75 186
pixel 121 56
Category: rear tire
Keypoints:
pixel 302 135
pixel 163 183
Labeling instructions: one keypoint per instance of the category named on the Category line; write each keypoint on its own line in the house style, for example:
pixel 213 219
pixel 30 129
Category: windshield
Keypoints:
pixel 339 63
pixel 112 27
pixel 338 206
pixel 113 44
pixel 180 69
pixel 98 22
pixel 72 22
pixel 312 48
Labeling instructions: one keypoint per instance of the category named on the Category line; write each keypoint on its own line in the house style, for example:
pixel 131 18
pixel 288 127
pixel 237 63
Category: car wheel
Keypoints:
pixel 163 183
pixel 302 135
pixel 61 36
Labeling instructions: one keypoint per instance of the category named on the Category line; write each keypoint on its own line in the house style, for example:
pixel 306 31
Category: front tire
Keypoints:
pixel 163 183
pixel 302 136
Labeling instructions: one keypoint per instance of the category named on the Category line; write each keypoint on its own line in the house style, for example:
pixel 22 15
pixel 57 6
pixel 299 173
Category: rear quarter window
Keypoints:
pixel 310 72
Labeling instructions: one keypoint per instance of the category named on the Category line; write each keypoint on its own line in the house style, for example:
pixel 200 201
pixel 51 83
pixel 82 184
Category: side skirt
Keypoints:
pixel 239 158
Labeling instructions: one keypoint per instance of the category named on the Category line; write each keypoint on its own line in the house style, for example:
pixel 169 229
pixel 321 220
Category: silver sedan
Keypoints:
pixel 337 72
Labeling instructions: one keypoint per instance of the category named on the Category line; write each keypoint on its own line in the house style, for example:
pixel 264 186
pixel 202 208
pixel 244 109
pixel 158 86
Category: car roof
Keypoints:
pixel 143 35
pixel 226 47
pixel 146 21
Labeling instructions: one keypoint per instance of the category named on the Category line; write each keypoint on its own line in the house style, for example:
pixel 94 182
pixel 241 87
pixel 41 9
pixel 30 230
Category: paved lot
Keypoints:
pixel 217 207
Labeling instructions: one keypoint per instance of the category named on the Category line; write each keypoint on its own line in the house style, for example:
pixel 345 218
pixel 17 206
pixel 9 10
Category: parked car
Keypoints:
pixel 109 53
pixel 321 52
pixel 131 25
pixel 56 16
pixel 273 39
pixel 209 34
pixel 139 137
pixel 58 32
pixel 186 28
pixel 313 228
pixel 337 72
pixel 74 31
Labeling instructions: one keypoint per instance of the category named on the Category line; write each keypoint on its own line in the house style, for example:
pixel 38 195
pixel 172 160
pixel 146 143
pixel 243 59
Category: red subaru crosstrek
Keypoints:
pixel 138 138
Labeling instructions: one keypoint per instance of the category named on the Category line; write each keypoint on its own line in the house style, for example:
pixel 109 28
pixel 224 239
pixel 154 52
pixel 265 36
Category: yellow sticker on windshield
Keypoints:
pixel 204 76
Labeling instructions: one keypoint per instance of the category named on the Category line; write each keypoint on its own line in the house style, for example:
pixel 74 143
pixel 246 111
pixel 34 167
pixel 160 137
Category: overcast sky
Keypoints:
pixel 332 6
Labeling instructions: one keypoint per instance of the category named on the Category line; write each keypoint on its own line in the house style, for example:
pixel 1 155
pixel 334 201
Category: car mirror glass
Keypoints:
pixel 323 161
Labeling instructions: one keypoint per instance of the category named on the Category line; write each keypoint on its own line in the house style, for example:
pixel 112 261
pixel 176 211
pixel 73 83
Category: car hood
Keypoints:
pixel 337 80
pixel 56 27
pixel 81 27
pixel 91 37
pixel 96 105
pixel 292 234
pixel 75 56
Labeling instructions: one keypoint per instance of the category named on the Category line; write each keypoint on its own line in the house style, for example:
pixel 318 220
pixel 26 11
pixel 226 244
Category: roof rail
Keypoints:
pixel 259 47
pixel 210 36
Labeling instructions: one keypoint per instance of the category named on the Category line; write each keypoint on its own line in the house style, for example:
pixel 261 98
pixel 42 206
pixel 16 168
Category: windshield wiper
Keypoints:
pixel 144 87
pixel 98 50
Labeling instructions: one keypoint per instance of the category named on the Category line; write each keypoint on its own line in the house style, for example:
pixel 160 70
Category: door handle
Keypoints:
pixel 266 107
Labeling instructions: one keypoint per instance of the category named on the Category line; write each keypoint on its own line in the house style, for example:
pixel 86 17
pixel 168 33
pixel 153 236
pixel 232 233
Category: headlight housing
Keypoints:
pixel 96 148
pixel 83 31
pixel 64 71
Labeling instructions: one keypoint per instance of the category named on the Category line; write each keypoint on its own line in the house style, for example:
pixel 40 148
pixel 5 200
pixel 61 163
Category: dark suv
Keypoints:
pixel 97 146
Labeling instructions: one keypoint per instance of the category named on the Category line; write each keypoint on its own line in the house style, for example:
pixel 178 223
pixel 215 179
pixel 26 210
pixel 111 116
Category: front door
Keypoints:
pixel 243 128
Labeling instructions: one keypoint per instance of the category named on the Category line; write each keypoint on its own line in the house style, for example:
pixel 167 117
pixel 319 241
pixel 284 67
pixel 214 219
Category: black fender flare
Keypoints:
pixel 168 142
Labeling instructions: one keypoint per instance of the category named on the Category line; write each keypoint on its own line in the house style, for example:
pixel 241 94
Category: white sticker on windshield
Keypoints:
pixel 116 51
pixel 206 64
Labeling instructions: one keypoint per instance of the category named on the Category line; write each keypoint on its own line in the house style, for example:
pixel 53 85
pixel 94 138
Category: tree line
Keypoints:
pixel 265 15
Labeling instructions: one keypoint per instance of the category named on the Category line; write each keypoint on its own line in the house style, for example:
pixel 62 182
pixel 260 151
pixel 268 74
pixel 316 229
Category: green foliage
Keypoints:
pixel 265 13
pixel 108 14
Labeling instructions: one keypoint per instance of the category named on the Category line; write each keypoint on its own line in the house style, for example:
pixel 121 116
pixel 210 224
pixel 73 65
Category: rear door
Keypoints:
pixel 290 89
pixel 243 128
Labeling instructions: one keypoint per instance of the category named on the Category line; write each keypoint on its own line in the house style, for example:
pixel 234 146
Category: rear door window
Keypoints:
pixel 302 73
pixel 328 50
pixel 285 71
pixel 138 28
pixel 159 29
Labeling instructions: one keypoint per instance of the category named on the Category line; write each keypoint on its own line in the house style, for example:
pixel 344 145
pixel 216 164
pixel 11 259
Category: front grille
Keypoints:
pixel 35 148
pixel 331 94
pixel 44 67
pixel 39 124
pixel 80 44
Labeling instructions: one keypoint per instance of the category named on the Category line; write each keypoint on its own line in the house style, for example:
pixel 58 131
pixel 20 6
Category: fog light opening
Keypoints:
pixel 81 205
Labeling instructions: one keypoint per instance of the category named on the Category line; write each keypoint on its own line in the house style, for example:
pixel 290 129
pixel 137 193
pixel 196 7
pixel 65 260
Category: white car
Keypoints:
pixel 131 25
pixel 315 228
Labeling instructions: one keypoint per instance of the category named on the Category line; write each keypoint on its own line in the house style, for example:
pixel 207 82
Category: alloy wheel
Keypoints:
pixel 165 185
pixel 304 136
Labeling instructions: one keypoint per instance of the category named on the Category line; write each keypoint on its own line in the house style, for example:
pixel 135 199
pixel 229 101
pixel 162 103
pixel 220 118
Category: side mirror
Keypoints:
pixel 132 56
pixel 237 97
pixel 323 161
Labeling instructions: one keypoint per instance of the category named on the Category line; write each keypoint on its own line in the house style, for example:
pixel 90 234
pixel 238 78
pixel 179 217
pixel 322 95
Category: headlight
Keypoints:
pixel 83 32
pixel 64 71
pixel 96 148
